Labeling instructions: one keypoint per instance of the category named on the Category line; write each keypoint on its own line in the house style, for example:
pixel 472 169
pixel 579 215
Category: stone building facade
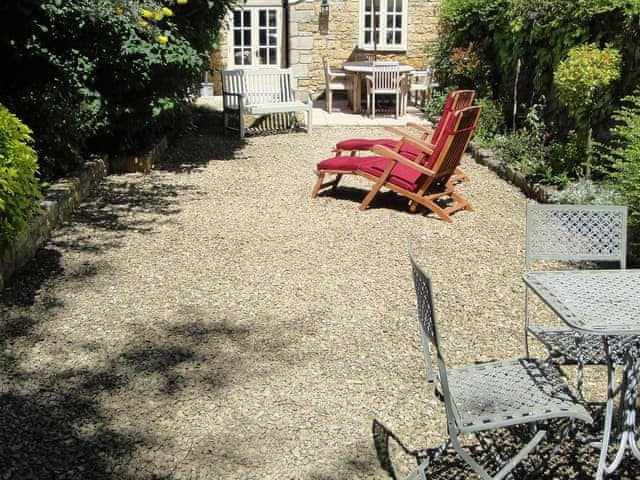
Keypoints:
pixel 311 29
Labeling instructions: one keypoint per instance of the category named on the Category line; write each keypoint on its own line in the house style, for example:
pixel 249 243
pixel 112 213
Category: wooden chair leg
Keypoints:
pixel 318 185
pixel 370 196
pixel 439 211
pixel 376 187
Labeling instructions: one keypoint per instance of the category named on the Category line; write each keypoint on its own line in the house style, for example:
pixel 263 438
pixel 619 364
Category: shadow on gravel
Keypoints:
pixel 61 429
pixel 384 200
pixel 24 286
pixel 196 149
pixel 40 438
pixel 574 460
pixel 120 205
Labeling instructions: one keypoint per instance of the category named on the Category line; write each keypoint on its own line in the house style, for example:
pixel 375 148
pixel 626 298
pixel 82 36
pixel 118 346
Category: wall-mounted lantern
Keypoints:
pixel 324 8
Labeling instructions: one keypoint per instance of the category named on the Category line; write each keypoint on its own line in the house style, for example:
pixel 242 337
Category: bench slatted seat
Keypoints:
pixel 261 92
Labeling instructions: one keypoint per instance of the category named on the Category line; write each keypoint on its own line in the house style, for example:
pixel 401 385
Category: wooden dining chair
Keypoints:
pixel 336 80
pixel 386 79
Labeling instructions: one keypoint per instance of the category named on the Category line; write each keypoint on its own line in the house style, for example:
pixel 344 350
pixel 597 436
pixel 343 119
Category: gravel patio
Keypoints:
pixel 213 321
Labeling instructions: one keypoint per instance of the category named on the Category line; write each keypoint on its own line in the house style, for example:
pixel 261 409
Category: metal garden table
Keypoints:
pixel 606 303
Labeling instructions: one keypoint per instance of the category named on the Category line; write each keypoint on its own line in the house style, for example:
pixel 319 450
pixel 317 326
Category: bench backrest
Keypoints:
pixel 258 85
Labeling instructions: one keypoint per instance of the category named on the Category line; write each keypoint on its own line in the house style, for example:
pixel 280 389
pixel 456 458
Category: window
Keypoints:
pixel 383 24
pixel 255 35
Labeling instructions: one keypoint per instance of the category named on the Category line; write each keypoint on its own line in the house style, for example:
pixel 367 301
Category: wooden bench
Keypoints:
pixel 261 92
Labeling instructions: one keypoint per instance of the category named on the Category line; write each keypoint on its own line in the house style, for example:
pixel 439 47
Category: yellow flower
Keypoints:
pixel 143 23
pixel 118 10
pixel 158 16
pixel 167 12
pixel 162 39
pixel 147 13
pixel 182 2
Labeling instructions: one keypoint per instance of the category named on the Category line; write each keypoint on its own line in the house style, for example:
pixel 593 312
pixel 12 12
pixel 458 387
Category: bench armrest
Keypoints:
pixel 304 92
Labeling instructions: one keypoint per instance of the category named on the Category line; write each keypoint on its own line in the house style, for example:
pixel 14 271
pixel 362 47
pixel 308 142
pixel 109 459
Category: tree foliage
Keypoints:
pixel 101 74
pixel 624 154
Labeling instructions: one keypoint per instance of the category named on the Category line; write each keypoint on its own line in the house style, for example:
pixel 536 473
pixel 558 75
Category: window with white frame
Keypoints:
pixel 383 24
pixel 255 36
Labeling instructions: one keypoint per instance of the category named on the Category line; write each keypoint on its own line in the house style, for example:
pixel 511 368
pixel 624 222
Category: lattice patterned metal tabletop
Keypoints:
pixel 606 303
pixel 603 302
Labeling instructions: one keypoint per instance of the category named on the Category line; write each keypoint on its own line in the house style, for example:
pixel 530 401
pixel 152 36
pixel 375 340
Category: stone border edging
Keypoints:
pixel 487 157
pixel 59 200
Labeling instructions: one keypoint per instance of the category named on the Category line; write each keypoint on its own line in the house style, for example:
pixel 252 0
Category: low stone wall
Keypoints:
pixel 59 200
pixel 487 157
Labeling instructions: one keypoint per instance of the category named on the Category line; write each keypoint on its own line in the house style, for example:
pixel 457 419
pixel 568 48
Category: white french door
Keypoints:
pixel 256 34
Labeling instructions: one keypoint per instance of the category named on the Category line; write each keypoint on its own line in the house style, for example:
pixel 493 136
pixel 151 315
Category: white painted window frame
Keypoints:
pixel 254 6
pixel 383 29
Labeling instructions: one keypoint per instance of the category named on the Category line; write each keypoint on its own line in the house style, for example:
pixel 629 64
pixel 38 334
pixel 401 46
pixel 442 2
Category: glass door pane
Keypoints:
pixel 256 36
pixel 242 54
pixel 268 36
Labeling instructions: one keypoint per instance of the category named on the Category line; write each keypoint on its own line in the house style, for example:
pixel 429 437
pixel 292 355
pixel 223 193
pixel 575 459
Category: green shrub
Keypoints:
pixel 588 192
pixel 19 192
pixel 566 155
pixel 491 123
pixel 583 80
pixel 526 149
pixel 99 75
pixel 624 157
pixel 434 108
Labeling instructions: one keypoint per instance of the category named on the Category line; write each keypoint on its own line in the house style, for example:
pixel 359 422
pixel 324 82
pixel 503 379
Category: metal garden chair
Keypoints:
pixel 484 397
pixel 572 236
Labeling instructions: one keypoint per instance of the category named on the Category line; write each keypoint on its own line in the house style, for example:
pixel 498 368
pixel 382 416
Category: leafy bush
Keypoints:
pixel 19 192
pixel 107 75
pixel 582 82
pixel 588 192
pixel 566 156
pixel 624 157
pixel 434 108
pixel 519 44
pixel 524 149
pixel 491 123
pixel 527 150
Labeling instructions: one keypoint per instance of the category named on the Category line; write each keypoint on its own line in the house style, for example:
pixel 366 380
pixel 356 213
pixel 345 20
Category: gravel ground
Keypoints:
pixel 211 320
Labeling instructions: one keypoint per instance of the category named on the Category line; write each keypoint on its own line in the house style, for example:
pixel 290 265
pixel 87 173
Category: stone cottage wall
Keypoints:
pixel 312 36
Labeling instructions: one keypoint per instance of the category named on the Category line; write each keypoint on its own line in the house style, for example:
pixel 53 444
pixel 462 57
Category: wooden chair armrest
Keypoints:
pixel 422 128
pixel 396 130
pixel 305 92
pixel 424 146
pixel 388 153
pixel 334 74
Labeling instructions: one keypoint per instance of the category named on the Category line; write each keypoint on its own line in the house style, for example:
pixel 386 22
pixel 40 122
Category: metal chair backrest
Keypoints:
pixel 430 336
pixel 585 233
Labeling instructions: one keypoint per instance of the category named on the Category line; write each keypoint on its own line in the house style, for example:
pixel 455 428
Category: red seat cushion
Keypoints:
pixel 401 175
pixel 345 163
pixel 365 143
pixel 409 151
pixel 352 144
